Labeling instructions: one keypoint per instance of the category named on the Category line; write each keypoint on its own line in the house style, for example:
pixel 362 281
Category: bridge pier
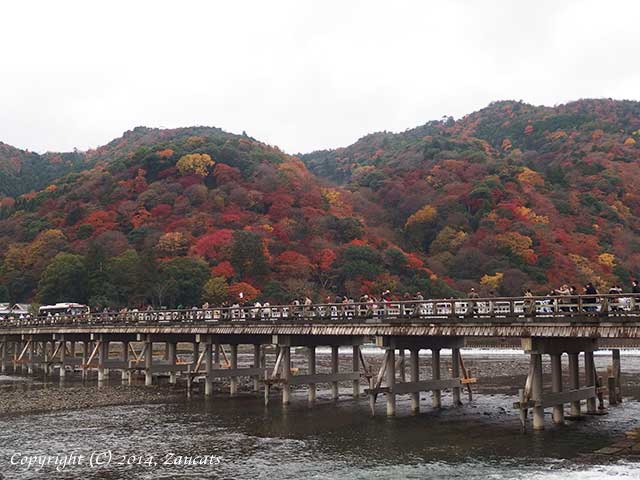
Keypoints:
pixel 208 367
pixel 125 373
pixel 556 386
pixel 4 355
pixel 311 355
pixel 356 367
pixel 31 357
pixel 172 357
pixel 590 380
pixel 285 351
pixel 455 373
pixel 335 368
pixel 414 377
pixel 257 363
pixel 233 364
pixel 435 375
pixel 534 397
pixel 391 380
pixel 574 382
pixel 63 356
pixel 86 345
pixel 415 386
pixel 103 355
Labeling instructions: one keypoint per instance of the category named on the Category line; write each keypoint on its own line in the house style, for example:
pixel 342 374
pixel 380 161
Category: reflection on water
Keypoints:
pixel 481 440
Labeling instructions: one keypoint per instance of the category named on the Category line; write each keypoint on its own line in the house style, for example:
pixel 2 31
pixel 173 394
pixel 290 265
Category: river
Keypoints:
pixel 245 439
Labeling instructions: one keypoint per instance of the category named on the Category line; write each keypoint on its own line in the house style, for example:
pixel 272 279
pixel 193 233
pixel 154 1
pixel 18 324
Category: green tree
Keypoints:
pixel 215 291
pixel 247 254
pixel 64 280
pixel 184 278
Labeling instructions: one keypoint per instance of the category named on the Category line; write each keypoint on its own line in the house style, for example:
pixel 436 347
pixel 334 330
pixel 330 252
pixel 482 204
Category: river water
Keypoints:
pixel 245 439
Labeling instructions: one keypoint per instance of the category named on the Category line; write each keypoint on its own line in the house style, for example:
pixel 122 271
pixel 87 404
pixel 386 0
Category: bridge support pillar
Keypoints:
pixel 536 390
pixel 216 355
pixel 590 376
pixel 72 354
pixel 233 381
pixel 311 358
pixel 402 364
pixel 63 358
pixel 414 375
pixel 356 367
pixel 16 352
pixel 257 363
pixel 23 366
pixel 455 373
pixel 335 350
pixel 556 386
pixel 31 358
pixel 616 373
pixel 172 357
pixel 574 381
pixel 148 362
pixel 391 381
pixel 4 346
pixel 103 355
pixel 125 374
pixel 286 374
pixel 208 367
pixel 85 357
pixel 435 368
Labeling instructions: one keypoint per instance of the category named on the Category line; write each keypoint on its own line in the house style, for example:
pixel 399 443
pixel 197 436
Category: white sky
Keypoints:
pixel 302 75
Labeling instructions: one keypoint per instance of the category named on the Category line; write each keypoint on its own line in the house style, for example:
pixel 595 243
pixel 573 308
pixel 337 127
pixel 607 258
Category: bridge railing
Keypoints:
pixel 530 309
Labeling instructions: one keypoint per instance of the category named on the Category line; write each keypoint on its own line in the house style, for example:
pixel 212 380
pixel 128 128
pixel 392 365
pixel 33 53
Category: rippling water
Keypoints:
pixel 481 440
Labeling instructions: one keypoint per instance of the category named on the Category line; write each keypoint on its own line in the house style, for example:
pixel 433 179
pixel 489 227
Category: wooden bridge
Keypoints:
pixel 539 325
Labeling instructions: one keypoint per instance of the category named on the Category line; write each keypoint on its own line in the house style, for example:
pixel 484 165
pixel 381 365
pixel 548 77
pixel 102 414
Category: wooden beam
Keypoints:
pixel 93 353
pixel 236 372
pixel 426 385
pixel 323 378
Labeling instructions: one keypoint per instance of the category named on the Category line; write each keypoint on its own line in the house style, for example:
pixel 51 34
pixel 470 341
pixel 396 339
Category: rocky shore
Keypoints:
pixel 50 399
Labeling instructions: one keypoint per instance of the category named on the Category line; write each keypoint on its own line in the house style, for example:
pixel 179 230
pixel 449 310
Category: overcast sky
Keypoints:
pixel 302 75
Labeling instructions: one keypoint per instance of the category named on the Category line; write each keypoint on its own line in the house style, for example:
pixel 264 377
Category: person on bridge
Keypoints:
pixel 591 301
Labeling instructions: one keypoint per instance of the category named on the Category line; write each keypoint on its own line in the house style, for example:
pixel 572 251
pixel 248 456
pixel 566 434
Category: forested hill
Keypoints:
pixel 512 195
pixel 22 171
pixel 184 216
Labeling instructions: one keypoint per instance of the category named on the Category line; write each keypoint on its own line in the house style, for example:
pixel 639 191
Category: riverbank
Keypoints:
pixel 45 398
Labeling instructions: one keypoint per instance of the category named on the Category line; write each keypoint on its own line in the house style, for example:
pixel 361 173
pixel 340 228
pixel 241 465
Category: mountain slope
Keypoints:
pixel 181 216
pixel 22 171
pixel 510 196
